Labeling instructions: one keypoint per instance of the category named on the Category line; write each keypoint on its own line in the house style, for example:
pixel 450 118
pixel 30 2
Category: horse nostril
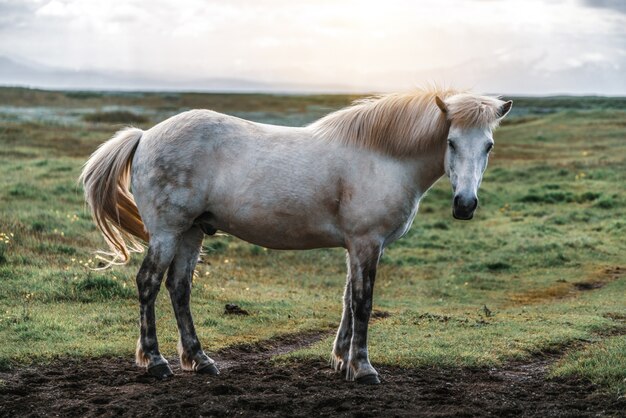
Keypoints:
pixel 465 204
pixel 474 204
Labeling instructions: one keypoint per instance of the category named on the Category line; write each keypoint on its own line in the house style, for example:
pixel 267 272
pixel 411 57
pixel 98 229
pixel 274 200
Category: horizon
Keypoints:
pixel 521 48
pixel 122 92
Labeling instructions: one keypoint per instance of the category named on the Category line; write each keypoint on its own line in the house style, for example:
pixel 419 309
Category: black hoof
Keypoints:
pixel 370 379
pixel 160 371
pixel 210 368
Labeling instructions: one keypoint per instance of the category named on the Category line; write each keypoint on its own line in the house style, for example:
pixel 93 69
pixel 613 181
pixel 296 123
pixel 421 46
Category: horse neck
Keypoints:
pixel 429 170
pixel 430 167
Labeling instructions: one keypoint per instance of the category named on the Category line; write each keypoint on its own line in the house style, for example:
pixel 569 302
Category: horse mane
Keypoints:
pixel 403 124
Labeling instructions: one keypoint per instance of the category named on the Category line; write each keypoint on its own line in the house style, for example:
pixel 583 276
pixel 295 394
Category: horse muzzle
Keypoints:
pixel 463 207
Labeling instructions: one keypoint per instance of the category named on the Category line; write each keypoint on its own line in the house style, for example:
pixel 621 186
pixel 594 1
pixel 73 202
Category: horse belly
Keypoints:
pixel 282 240
pixel 281 229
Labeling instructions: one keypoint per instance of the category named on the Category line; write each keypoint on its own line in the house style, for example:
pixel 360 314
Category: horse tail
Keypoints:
pixel 106 180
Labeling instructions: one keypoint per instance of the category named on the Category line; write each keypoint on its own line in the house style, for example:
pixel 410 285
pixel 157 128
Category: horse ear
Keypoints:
pixel 441 105
pixel 504 109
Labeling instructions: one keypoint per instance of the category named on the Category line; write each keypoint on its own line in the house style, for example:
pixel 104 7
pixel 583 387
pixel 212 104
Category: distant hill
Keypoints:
pixel 15 72
pixel 513 78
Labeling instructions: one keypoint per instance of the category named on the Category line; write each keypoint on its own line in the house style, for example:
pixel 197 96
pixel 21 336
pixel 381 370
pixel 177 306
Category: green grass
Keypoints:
pixel 602 362
pixel 551 217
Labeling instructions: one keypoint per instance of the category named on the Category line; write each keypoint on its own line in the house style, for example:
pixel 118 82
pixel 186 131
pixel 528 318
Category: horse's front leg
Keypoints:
pixel 364 257
pixel 178 283
pixel 160 253
pixel 341 347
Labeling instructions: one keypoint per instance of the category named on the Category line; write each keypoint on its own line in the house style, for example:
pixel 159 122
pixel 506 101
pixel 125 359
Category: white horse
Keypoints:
pixel 353 179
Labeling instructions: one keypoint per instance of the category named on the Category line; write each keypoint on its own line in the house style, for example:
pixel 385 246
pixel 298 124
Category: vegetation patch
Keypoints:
pixel 602 362
pixel 607 202
pixel 498 266
pixel 116 116
pixel 99 288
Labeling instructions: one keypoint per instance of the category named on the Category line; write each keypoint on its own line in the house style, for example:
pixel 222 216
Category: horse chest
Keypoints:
pixel 402 228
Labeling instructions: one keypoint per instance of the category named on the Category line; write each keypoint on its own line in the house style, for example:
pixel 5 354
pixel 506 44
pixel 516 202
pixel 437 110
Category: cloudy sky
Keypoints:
pixel 497 46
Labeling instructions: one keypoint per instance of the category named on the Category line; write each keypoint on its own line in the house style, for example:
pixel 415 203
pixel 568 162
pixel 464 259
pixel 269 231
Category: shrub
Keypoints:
pixel 606 203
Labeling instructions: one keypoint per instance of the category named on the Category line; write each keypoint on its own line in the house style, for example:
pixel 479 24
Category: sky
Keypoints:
pixel 495 46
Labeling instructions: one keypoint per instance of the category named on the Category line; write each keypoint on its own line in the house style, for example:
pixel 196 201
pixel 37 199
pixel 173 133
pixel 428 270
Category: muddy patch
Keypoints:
pixel 583 286
pixel 563 289
pixel 266 349
pixel 252 385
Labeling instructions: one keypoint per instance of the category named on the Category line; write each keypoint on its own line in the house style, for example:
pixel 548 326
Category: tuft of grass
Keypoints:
pixel 498 266
pixel 24 191
pixel 38 226
pixel 607 202
pixel 588 196
pixel 215 246
pixel 101 288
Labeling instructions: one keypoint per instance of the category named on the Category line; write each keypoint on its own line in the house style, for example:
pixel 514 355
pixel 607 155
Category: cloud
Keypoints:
pixel 323 42
pixel 617 5
pixel 15 13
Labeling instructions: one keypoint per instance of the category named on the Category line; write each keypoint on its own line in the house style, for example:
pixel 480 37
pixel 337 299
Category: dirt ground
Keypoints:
pixel 251 385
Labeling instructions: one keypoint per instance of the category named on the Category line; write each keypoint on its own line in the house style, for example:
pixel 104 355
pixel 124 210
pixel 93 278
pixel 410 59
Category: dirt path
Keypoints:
pixel 265 350
pixel 250 385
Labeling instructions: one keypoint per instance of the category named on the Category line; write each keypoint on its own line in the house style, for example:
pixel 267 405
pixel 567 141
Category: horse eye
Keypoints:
pixel 451 145
pixel 489 147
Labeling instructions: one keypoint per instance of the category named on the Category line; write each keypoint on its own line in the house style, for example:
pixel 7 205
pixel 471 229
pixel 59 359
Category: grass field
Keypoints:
pixel 540 268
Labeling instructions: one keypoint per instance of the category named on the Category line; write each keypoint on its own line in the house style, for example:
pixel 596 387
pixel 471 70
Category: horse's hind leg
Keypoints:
pixel 160 253
pixel 341 346
pixel 178 283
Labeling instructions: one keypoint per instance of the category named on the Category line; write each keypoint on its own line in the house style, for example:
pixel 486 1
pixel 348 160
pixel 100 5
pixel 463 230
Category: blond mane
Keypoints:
pixel 407 123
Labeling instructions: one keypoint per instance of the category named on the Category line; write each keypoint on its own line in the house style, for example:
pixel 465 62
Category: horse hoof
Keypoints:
pixel 370 379
pixel 209 368
pixel 160 371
